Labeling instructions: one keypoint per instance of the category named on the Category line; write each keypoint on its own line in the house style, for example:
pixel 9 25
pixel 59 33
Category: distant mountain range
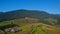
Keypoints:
pixel 16 14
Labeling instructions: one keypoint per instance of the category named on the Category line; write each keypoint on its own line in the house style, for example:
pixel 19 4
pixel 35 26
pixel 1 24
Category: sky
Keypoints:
pixel 50 6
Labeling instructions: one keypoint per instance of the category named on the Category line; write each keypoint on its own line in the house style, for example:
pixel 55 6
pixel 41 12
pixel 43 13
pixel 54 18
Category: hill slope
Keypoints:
pixel 16 14
pixel 22 14
pixel 32 28
pixel 32 21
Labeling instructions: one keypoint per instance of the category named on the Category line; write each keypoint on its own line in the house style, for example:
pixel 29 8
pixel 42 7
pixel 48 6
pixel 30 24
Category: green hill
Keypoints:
pixel 17 14
pixel 32 21
pixel 32 27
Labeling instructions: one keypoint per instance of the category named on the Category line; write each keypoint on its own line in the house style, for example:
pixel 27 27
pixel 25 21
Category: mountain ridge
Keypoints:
pixel 16 14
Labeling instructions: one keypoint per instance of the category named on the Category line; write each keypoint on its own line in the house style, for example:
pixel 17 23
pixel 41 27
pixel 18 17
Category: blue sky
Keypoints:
pixel 50 6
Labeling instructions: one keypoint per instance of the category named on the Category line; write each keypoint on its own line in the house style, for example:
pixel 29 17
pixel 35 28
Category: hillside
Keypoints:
pixel 40 15
pixel 22 14
pixel 29 26
pixel 31 21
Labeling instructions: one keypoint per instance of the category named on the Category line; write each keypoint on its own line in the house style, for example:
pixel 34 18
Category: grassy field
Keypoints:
pixel 32 28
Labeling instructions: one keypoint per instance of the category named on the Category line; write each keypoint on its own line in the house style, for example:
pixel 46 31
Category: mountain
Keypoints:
pixel 16 14
pixel 31 21
pixel 22 14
